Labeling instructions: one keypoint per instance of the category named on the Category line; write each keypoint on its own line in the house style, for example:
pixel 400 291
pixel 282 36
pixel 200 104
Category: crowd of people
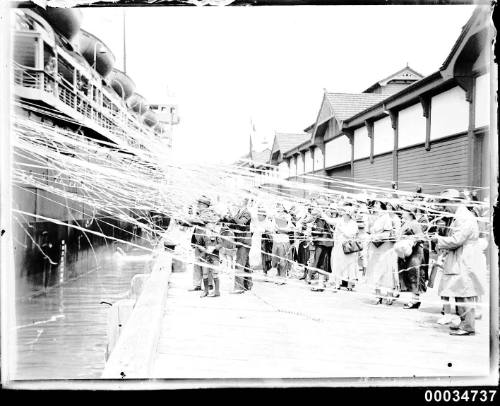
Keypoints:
pixel 394 243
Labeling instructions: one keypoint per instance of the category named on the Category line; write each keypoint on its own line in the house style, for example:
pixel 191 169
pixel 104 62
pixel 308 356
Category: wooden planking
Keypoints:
pixel 342 173
pixel 444 164
pixel 289 331
pixel 378 173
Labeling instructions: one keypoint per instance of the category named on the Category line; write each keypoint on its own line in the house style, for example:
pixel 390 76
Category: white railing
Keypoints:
pixel 108 116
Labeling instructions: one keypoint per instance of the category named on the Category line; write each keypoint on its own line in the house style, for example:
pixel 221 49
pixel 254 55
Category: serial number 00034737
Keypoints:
pixel 460 395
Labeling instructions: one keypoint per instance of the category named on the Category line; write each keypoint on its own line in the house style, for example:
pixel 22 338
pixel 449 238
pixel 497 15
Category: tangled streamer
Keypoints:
pixel 140 175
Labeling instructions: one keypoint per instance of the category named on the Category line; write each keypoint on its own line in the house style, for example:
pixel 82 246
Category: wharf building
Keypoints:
pixel 406 130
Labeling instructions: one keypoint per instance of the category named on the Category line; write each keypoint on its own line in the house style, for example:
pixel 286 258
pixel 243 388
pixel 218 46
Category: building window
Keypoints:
pixel 308 162
pixel 449 113
pixel 284 170
pixel 300 165
pixel 337 151
pixel 361 143
pixel 383 136
pixel 293 167
pixel 318 159
pixel 411 126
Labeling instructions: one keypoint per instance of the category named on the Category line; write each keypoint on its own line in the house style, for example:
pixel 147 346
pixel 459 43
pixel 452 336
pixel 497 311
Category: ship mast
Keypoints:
pixel 124 46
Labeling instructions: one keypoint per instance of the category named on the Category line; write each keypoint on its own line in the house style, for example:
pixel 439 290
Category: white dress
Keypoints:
pixel 257 228
pixel 344 266
pixel 382 260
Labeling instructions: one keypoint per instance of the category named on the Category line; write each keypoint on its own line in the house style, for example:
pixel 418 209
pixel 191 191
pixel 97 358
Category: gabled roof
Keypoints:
pixel 346 105
pixel 476 34
pixel 390 99
pixel 478 21
pixel 286 141
pixel 261 157
pixel 309 128
pixel 479 14
pixel 406 73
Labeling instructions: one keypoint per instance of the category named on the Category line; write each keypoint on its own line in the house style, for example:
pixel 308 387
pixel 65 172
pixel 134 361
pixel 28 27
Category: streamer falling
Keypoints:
pixel 142 176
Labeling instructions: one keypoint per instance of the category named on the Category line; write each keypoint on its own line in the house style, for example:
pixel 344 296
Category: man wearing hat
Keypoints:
pixel 243 239
pixel 323 244
pixel 203 203
pixel 210 245
pixel 460 268
pixel 281 250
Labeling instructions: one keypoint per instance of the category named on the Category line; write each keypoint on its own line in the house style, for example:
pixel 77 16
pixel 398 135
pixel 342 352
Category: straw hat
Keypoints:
pixel 450 194
pixel 204 200
pixel 322 202
pixel 349 210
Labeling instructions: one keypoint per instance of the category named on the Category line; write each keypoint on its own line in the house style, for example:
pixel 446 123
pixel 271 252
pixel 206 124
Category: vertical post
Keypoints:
pixel 466 82
pixel 350 135
pixel 8 274
pixel 369 127
pixel 394 124
pixel 312 149
pixel 124 42
pixel 474 168
pixel 426 108
pixel 323 151
pixel 492 169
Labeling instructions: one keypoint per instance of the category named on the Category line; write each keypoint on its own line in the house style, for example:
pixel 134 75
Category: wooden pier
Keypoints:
pixel 288 331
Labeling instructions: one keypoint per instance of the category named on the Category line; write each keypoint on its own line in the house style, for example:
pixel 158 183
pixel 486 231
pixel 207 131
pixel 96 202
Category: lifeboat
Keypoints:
pixel 121 84
pixel 159 128
pixel 137 104
pixel 66 21
pixel 149 118
pixel 92 47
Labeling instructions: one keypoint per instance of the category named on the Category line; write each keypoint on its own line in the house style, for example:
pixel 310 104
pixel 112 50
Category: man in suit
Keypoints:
pixel 203 203
pixel 243 239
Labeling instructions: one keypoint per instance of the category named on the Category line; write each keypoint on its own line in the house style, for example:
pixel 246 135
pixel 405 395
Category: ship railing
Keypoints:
pixel 108 116
pixel 27 77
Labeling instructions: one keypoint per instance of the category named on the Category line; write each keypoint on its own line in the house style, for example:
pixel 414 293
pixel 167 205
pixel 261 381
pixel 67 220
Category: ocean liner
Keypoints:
pixel 65 77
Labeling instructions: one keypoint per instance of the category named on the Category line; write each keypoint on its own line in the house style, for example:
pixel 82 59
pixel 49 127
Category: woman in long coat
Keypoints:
pixel 344 266
pixel 412 268
pixel 382 260
pixel 461 262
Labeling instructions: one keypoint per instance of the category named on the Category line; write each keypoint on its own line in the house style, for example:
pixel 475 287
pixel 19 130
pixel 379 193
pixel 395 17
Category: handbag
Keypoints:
pixel 351 246
pixel 435 268
pixel 378 243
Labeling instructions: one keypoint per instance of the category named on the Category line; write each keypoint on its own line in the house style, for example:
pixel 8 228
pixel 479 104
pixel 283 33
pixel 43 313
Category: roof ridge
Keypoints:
pixel 357 94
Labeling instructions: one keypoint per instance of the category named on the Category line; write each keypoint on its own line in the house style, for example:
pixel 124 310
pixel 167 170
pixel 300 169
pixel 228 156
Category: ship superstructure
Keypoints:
pixel 65 78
